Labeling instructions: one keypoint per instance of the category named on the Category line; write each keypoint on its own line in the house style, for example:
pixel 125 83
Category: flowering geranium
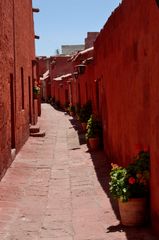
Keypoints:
pixel 131 181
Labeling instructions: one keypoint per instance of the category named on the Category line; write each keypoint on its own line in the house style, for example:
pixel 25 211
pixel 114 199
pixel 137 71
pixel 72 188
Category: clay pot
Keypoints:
pixel 93 143
pixel 133 212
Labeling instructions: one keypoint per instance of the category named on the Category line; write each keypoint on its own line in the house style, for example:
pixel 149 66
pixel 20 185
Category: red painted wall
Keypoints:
pixel 84 88
pixel 6 67
pixel 61 90
pixel 17 52
pixel 123 85
pixel 126 60
pixel 60 66
pixel 90 39
pixel 44 67
pixel 83 83
pixel 24 54
pixel 43 63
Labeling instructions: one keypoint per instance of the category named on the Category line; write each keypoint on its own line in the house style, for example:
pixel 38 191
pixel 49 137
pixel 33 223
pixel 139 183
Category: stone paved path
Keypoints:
pixel 56 189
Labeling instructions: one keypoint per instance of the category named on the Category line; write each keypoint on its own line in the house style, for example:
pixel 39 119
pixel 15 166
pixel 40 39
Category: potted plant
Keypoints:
pixel 36 91
pixel 92 134
pixel 84 114
pixel 130 185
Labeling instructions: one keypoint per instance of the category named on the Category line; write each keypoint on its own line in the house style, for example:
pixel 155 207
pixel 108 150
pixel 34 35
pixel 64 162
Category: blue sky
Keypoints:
pixel 62 22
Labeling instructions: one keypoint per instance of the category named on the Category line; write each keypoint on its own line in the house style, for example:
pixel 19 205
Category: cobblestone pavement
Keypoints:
pixel 56 189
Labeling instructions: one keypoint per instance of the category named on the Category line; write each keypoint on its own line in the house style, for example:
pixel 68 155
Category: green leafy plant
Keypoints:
pixel 131 181
pixel 36 90
pixel 93 127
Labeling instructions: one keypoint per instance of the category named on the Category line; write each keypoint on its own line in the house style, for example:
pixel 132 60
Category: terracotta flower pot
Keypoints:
pixel 133 212
pixel 93 143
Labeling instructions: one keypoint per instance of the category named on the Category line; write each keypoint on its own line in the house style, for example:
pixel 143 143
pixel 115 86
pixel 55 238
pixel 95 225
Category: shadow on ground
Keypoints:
pixel 77 126
pixel 102 168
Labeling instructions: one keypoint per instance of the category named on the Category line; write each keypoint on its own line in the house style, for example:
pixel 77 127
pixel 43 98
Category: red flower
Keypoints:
pixel 132 180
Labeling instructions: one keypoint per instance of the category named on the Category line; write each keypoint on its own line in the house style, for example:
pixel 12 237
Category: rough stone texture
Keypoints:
pixel 56 189
pixel 16 52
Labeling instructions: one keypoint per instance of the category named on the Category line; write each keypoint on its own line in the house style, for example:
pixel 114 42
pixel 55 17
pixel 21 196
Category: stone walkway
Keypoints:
pixel 56 189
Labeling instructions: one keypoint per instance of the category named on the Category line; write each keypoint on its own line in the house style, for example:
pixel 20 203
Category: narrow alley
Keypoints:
pixel 56 189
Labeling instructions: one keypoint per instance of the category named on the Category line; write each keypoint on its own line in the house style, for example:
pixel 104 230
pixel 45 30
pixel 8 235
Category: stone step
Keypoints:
pixel 34 129
pixel 38 134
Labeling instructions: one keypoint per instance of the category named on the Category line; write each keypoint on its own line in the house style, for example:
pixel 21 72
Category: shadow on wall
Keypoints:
pixel 102 166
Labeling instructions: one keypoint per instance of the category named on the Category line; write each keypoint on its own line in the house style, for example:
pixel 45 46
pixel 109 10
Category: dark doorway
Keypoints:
pixel 12 111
